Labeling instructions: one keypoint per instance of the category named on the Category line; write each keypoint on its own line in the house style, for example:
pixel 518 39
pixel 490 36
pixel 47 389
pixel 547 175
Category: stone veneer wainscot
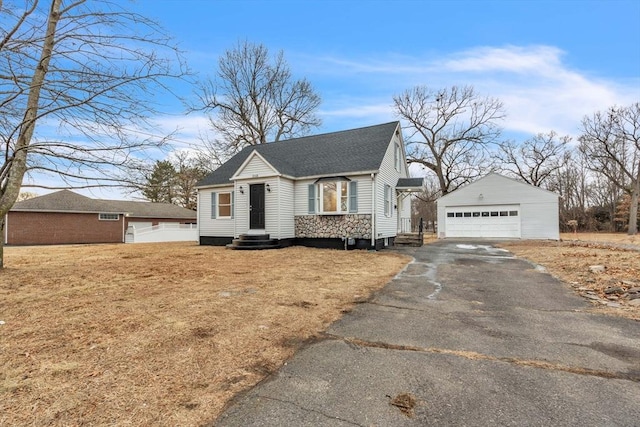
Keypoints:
pixel 333 226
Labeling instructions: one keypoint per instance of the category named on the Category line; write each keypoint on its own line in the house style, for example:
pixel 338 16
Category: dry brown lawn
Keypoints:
pixel 570 259
pixel 161 334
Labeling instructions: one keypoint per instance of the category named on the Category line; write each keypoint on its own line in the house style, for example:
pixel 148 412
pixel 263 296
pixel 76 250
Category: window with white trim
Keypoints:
pixel 387 200
pixel 222 205
pixel 397 158
pixel 108 216
pixel 333 197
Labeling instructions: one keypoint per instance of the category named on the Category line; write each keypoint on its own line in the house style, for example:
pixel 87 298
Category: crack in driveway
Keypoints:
pixel 315 411
pixel 472 355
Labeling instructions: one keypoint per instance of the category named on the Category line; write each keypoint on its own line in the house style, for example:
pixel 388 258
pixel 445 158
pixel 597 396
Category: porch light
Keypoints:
pixel 241 190
pixel 268 188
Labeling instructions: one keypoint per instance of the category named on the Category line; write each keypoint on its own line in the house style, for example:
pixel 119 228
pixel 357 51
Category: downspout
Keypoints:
pixel 198 210
pixel 124 240
pixel 373 210
pixel 236 195
pixel 278 189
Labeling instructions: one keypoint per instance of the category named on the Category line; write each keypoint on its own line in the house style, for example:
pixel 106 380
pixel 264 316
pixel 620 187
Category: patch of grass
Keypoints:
pixel 161 334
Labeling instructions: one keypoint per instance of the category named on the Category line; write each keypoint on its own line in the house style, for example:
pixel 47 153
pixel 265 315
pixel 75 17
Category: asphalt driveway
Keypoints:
pixel 466 335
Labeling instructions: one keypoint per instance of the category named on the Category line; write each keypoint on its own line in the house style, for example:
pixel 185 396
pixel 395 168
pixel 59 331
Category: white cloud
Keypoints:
pixel 541 92
pixel 514 59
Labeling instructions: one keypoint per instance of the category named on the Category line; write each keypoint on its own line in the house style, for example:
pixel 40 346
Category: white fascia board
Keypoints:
pixel 249 158
pixel 328 175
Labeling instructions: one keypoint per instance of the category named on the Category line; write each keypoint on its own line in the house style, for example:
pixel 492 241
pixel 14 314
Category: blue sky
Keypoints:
pixel 550 62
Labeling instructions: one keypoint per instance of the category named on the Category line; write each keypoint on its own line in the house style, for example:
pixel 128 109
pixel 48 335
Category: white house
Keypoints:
pixel 343 189
pixel 499 207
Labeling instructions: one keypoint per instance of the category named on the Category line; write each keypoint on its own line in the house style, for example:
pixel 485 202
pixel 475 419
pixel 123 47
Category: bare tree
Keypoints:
pixel 450 132
pixel 572 183
pixel 604 196
pixel 26 195
pixel 423 204
pixel 189 170
pixel 75 80
pixel 254 100
pixel 536 159
pixel 610 141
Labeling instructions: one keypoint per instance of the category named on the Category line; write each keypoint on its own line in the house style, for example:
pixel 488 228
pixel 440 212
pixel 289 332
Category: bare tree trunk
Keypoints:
pixel 633 209
pixel 1 242
pixel 11 187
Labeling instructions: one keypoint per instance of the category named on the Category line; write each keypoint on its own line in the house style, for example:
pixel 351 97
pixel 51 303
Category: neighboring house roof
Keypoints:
pixel 336 153
pixel 70 202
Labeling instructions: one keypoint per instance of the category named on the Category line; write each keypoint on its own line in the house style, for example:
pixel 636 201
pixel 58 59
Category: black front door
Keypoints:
pixel 256 206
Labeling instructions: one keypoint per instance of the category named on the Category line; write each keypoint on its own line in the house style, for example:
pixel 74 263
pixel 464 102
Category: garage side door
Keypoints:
pixel 499 221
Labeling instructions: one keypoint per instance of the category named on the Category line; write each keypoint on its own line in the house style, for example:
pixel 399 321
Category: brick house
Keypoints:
pixel 65 217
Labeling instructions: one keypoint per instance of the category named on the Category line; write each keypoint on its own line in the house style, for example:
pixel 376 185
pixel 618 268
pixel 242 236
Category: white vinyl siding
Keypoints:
pixel 285 200
pixel 387 224
pixel 207 225
pixel 255 168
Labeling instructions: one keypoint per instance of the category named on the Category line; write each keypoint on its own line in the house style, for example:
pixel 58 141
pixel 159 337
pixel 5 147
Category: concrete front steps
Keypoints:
pixel 253 242
pixel 408 239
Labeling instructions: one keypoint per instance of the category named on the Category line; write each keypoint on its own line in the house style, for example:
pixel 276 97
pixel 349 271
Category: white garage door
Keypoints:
pixel 501 221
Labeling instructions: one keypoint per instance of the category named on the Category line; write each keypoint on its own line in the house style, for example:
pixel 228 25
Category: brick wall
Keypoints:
pixel 39 228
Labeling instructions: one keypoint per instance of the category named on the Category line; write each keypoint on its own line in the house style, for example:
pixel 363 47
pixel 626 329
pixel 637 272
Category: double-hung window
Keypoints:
pixel 222 205
pixel 333 197
pixel 387 200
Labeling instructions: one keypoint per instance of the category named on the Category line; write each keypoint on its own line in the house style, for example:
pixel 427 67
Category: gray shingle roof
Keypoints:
pixel 410 182
pixel 68 201
pixel 336 153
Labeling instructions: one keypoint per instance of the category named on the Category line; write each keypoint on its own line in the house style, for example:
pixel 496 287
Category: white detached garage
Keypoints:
pixel 499 207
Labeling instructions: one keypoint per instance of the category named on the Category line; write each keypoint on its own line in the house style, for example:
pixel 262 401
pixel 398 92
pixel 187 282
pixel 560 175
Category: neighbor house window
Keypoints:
pixel 333 197
pixel 108 217
pixel 222 205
